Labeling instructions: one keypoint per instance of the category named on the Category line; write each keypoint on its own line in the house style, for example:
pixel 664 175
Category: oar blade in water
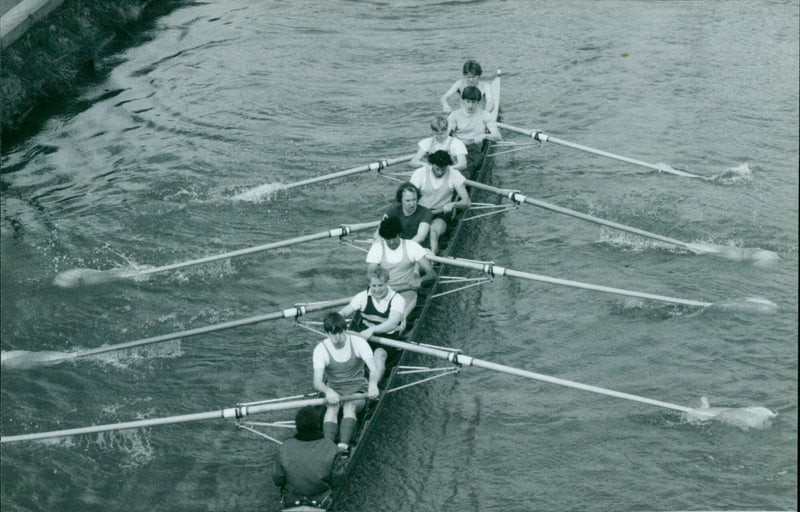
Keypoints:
pixel 748 304
pixel 742 417
pixel 24 359
pixel 759 257
pixel 258 193
pixel 87 276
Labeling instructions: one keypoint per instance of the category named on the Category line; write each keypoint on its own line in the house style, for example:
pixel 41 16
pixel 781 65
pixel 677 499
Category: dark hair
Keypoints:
pixel 390 227
pixel 440 158
pixel 307 420
pixel 471 93
pixel 471 67
pixel 334 323
pixel 398 196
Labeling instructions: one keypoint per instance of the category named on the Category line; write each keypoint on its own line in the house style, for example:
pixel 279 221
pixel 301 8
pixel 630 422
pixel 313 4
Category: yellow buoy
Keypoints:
pixel 624 54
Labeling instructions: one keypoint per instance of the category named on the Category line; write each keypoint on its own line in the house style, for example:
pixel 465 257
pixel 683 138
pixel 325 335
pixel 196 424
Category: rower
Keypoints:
pixel 403 259
pixel 471 72
pixel 473 125
pixel 308 465
pixel 378 310
pixel 339 362
pixel 415 219
pixel 441 139
pixel 437 182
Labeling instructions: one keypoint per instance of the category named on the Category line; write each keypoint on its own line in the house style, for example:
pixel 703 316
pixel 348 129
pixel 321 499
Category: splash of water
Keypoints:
pixel 734 175
pixel 741 417
pixel 263 192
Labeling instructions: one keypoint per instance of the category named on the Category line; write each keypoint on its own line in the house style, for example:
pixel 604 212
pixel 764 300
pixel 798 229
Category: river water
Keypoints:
pixel 142 169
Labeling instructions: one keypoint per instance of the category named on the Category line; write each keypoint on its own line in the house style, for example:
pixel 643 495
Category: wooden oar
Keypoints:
pixel 257 192
pixel 87 276
pixel 758 304
pixel 759 416
pixel 758 256
pixel 237 412
pixel 23 360
pixel 543 137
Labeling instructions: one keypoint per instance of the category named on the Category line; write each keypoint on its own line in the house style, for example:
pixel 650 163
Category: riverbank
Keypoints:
pixel 65 50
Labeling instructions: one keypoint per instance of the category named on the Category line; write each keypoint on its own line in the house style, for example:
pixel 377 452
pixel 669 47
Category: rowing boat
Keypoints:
pixel 369 417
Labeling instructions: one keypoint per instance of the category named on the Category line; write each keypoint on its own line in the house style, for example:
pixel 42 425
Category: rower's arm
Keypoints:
pixel 461 162
pixel 422 232
pixel 445 99
pixel 463 198
pixel 319 384
pixel 347 311
pixel 428 273
pixel 417 159
pixel 389 324
pixel 489 106
pixel 494 134
pixel 373 371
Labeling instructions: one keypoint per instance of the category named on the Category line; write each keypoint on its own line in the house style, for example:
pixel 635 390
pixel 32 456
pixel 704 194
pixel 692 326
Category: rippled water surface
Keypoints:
pixel 142 170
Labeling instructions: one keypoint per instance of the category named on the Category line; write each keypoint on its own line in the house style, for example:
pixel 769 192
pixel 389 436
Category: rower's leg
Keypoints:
pixel 348 427
pixel 380 357
pixel 330 424
pixel 410 297
pixel 438 227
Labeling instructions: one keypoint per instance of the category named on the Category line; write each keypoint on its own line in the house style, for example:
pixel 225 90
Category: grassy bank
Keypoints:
pixel 63 51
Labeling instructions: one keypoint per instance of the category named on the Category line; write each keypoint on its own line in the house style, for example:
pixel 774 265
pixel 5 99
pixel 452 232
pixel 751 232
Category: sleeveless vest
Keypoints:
pixel 346 377
pixel 432 197
pixel 402 272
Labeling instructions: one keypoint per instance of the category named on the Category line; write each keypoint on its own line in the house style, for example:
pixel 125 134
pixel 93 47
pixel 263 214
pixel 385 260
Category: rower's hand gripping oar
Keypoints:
pixel 752 304
pixel 86 276
pixel 757 256
pixel 543 137
pixel 755 417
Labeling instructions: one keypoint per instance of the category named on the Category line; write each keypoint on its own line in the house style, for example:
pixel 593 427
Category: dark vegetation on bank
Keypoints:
pixel 64 51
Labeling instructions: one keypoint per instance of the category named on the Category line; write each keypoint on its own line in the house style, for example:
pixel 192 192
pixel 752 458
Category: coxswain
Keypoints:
pixel 308 465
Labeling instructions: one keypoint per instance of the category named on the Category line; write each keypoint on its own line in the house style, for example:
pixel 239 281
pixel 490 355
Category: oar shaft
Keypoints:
pixel 231 412
pixel 465 360
pixel 497 270
pixel 294 312
pixel 375 166
pixel 520 198
pixel 331 233
pixel 548 138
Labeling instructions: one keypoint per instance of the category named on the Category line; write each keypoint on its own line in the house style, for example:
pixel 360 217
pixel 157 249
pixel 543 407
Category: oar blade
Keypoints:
pixel 756 256
pixel 25 360
pixel 87 276
pixel 755 417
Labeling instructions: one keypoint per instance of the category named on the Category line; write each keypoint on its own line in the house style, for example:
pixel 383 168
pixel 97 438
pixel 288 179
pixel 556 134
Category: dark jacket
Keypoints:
pixel 308 467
